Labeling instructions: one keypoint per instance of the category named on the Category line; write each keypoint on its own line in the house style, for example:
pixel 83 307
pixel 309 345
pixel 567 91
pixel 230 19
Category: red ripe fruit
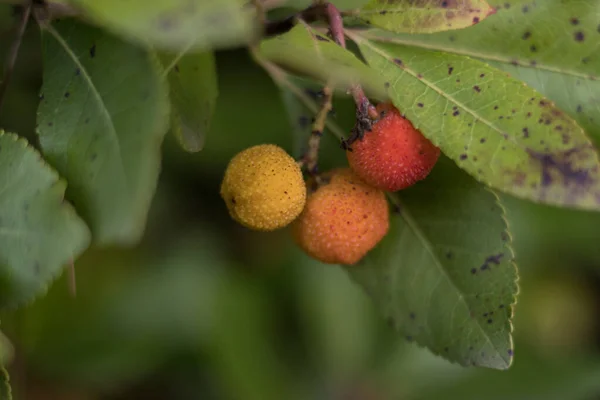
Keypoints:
pixel 393 155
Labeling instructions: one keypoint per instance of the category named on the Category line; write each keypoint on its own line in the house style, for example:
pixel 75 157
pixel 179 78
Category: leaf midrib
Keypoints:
pixel 414 226
pixel 462 52
pixel 96 93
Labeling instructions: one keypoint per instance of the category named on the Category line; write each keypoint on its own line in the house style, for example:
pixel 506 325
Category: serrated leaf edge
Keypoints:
pixel 68 207
pixel 397 202
pixel 513 263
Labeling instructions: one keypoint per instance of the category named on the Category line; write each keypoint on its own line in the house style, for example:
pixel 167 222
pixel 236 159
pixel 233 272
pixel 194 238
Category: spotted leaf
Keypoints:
pixel 101 121
pixel 562 63
pixel 552 35
pixel 500 131
pixel 422 16
pixel 444 275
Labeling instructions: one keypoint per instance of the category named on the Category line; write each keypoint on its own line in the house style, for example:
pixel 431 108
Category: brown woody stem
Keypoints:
pixel 312 155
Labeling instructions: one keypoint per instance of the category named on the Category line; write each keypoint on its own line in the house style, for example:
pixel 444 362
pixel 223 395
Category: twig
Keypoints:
pixel 13 52
pixel 312 154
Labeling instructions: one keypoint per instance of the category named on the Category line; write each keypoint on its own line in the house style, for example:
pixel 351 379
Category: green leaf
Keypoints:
pixel 101 122
pixel 40 232
pixel 174 24
pixel 519 34
pixel 498 130
pixel 5 390
pixel 425 16
pixel 307 52
pixel 194 91
pixel 444 275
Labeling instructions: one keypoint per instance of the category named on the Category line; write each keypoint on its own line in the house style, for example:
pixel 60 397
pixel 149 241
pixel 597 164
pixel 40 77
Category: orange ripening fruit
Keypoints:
pixel 393 155
pixel 342 220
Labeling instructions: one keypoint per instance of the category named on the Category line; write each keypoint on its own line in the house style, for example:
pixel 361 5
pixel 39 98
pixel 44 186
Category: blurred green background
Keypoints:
pixel 204 309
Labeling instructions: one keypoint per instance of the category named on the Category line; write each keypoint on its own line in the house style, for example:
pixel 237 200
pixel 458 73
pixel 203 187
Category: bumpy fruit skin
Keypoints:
pixel 394 155
pixel 342 220
pixel 264 188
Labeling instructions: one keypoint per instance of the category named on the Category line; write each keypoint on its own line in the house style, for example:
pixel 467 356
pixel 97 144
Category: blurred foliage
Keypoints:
pixel 203 308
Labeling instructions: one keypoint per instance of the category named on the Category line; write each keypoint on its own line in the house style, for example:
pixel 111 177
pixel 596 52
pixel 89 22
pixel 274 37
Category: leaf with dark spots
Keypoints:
pixel 118 109
pixel 433 254
pixel 506 153
pixel 40 232
pixel 174 25
pixel 522 38
pixel 422 16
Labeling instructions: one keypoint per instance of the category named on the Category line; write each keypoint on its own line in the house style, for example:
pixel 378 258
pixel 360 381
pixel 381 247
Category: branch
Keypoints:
pixel 13 52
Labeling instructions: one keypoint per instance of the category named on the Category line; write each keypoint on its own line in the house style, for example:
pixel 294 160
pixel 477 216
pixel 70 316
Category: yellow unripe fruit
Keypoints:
pixel 263 188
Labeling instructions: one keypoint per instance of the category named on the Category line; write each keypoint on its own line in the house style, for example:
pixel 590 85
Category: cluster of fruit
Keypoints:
pixel 346 214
